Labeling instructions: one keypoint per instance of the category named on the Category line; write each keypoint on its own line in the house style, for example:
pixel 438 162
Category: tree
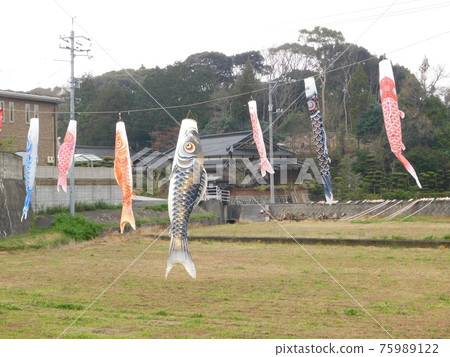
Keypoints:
pixel 86 97
pixel 370 123
pixel 220 64
pixel 416 127
pixel 323 47
pixel 349 181
pixel 360 97
pixel 245 88
pixel 256 59
pixel 285 59
pixel 101 127
pixel 431 76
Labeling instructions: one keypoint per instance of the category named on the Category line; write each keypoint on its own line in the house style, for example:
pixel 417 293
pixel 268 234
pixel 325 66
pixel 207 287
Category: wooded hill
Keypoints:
pixel 214 89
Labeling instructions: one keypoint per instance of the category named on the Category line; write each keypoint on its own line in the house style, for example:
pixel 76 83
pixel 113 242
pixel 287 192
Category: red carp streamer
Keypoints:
pixel 392 115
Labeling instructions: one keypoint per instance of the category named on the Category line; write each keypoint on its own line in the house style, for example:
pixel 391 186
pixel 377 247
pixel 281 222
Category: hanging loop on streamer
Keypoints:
pixel 191 115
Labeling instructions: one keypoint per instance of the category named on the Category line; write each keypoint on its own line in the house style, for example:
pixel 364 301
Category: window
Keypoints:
pixel 27 113
pixel 36 111
pixel 11 112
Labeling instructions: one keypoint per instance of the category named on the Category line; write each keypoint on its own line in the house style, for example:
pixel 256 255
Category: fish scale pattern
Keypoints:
pixel 320 142
pixel 186 195
pixel 391 115
pixel 124 180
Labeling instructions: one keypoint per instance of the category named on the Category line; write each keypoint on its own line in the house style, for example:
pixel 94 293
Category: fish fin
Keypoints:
pixel 402 114
pixel 127 217
pixel 203 187
pixel 179 254
pixel 266 167
pixel 328 188
pixel 408 167
pixel 62 181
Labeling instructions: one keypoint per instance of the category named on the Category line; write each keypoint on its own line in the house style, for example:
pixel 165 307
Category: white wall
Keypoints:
pixel 105 189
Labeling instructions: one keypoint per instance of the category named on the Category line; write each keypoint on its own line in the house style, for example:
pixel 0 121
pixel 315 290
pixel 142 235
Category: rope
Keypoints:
pixel 324 269
pixel 366 211
pixel 395 204
pixel 412 214
pixel 400 211
pixel 110 285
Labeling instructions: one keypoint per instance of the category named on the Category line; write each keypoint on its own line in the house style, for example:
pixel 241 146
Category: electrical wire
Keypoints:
pixel 118 64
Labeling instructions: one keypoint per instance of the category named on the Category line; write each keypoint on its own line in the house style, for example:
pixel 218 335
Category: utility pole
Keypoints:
pixel 272 187
pixel 74 51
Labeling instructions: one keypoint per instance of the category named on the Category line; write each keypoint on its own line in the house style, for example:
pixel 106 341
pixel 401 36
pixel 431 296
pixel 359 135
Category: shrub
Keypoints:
pixel 159 208
pixel 77 227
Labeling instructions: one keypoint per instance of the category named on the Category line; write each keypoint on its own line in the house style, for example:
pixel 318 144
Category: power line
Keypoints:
pixel 161 107
pixel 124 69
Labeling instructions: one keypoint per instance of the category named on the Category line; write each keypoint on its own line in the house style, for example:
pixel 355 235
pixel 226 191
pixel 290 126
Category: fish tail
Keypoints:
pixel 127 217
pixel 408 167
pixel 26 205
pixel 179 254
pixel 328 188
pixel 62 181
pixel 266 167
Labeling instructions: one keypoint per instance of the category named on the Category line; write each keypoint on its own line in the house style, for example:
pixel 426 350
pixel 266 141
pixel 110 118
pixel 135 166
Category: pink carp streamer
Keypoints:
pixel 1 118
pixel 65 154
pixel 124 176
pixel 392 115
pixel 259 139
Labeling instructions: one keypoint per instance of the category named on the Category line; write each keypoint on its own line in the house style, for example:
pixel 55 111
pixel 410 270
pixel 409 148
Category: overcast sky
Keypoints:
pixel 128 34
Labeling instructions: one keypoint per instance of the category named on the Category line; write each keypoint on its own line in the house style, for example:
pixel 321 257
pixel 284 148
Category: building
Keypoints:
pixel 232 163
pixel 18 109
pixel 222 151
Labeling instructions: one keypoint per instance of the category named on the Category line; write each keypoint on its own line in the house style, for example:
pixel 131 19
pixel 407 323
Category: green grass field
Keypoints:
pixel 242 290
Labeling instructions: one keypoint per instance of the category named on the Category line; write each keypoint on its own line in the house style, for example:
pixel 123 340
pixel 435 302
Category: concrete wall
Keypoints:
pixel 92 184
pixel 10 166
pixel 12 196
pixel 346 210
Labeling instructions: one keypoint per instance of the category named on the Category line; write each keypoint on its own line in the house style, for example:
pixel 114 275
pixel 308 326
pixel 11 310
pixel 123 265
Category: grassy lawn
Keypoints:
pixel 242 290
pixel 417 228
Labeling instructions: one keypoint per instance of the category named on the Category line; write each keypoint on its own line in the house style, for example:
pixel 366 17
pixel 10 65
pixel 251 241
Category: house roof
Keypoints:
pixel 99 151
pixel 215 147
pixel 239 143
pixel 31 97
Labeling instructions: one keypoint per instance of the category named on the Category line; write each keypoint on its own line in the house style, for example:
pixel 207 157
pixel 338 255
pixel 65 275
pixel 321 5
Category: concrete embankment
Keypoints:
pixel 12 196
pixel 385 209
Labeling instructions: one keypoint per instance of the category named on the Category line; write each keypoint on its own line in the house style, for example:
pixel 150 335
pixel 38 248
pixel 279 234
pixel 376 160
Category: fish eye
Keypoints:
pixel 311 105
pixel 189 147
